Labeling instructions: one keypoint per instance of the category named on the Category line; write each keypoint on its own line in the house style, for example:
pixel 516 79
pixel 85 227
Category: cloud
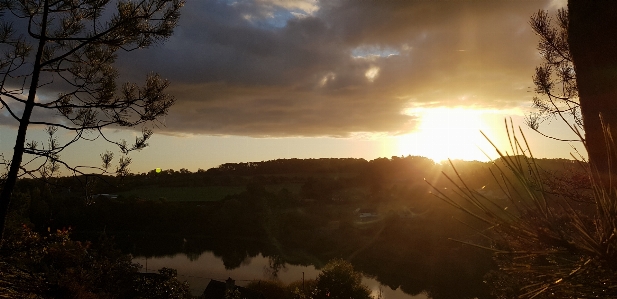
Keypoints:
pixel 306 6
pixel 254 68
pixel 557 4
pixel 267 112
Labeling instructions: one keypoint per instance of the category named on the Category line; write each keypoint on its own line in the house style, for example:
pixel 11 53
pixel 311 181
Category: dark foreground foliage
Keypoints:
pixel 51 265
pixel 550 237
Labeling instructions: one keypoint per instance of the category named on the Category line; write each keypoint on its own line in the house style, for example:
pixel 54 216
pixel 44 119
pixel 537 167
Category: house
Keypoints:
pixel 216 290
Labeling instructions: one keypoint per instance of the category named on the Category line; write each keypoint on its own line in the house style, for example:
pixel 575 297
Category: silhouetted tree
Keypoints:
pixel 555 79
pixel 338 280
pixel 579 77
pixel 163 286
pixel 68 48
pixel 591 36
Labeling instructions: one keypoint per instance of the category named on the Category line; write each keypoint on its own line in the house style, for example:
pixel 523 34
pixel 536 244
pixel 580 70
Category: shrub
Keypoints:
pixel 546 242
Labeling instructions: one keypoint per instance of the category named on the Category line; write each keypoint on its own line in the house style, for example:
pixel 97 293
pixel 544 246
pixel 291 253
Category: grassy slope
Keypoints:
pixel 203 193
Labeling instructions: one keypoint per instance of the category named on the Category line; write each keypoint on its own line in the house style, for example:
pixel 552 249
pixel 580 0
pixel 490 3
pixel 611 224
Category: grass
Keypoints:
pixel 203 193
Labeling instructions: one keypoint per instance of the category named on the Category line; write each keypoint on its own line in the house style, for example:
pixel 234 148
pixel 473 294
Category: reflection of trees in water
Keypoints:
pixel 413 254
pixel 193 256
pixel 419 258
pixel 275 264
pixel 410 255
pixel 233 258
pixel 234 253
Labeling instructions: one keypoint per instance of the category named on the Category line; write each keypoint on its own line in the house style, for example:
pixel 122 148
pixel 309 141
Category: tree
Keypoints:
pixel 548 240
pixel 579 76
pixel 163 286
pixel 555 79
pixel 591 37
pixel 67 48
pixel 339 280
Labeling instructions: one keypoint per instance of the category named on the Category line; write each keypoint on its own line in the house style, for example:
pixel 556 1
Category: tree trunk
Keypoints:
pixel 18 150
pixel 592 36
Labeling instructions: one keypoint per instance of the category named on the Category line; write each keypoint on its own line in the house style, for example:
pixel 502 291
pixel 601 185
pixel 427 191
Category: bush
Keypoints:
pixel 338 280
pixel 72 269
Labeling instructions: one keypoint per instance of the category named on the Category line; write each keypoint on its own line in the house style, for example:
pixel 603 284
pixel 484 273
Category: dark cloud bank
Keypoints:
pixel 281 69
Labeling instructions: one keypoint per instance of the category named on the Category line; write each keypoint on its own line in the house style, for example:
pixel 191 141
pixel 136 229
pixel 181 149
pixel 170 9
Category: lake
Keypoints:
pixel 200 270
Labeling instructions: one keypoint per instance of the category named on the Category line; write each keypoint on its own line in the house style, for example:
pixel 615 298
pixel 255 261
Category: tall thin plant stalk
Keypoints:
pixel 545 243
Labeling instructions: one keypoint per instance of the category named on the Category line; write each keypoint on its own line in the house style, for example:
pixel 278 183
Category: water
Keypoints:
pixel 199 271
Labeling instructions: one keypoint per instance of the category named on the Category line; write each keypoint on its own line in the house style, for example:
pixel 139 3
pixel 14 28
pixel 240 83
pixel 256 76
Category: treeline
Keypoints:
pixel 359 172
pixel 287 171
pixel 260 211
pixel 411 169
pixel 294 166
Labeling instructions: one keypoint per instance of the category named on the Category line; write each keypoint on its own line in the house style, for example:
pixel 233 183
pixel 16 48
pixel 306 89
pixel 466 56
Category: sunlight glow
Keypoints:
pixel 448 133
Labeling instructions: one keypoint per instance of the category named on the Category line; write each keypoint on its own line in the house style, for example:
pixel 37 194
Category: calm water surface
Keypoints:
pixel 198 272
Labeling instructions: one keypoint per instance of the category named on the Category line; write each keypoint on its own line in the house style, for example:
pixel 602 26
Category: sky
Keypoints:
pixel 258 80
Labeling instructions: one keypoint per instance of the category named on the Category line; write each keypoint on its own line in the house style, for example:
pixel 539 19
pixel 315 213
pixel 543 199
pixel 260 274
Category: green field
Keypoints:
pixel 204 193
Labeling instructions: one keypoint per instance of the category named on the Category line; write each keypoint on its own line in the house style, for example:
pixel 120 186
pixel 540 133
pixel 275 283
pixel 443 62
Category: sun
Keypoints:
pixel 447 133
